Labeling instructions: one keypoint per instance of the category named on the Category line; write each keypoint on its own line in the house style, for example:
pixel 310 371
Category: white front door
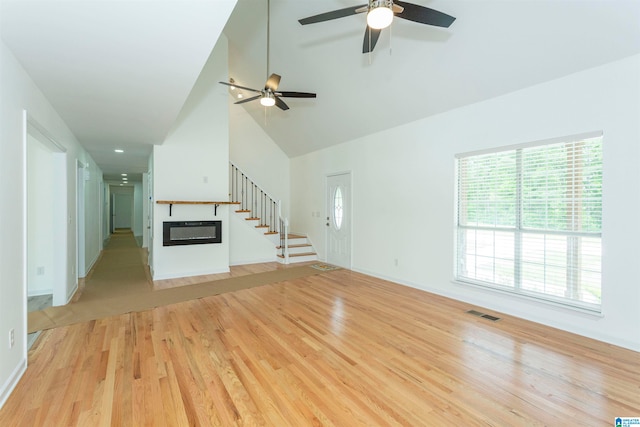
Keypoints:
pixel 339 220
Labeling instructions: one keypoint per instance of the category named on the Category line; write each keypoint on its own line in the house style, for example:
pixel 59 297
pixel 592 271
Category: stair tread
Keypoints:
pixel 302 245
pixel 252 219
pixel 243 211
pixel 271 232
pixel 297 255
pixel 262 226
pixel 296 236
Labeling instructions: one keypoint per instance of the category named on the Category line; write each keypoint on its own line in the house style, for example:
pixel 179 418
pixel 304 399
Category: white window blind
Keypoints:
pixel 529 220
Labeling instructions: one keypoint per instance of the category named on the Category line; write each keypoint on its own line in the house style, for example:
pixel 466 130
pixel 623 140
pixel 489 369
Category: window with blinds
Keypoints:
pixel 529 220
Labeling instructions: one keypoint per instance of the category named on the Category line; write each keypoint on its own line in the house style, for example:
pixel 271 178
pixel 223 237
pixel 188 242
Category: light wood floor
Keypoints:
pixel 339 349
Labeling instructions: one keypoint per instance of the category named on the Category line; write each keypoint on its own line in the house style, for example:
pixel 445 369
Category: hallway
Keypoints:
pixel 120 283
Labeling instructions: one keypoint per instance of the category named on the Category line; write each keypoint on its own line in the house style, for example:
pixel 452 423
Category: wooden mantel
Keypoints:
pixel 194 202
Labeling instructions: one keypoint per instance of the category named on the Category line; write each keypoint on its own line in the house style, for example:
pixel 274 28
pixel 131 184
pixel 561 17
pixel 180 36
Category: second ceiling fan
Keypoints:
pixel 270 95
pixel 380 14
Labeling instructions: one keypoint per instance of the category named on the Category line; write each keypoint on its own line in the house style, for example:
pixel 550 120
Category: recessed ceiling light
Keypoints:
pixel 117 150
pixel 240 96
pixel 123 174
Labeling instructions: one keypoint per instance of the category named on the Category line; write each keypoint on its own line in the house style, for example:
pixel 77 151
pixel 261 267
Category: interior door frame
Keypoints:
pixel 349 210
pixel 61 261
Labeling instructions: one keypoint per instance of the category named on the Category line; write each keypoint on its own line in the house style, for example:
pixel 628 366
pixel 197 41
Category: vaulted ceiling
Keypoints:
pixel 118 72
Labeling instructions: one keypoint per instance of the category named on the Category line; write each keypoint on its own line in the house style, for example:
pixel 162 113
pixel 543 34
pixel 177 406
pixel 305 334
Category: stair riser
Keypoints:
pixel 295 260
pixel 302 241
pixel 298 250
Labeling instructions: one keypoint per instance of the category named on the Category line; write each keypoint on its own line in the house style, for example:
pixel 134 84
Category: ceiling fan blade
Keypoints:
pixel 280 103
pixel 297 94
pixel 424 15
pixel 334 14
pixel 371 37
pixel 253 98
pixel 240 87
pixel 273 82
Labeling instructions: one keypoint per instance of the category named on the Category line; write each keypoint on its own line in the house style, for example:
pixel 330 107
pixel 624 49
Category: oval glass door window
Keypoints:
pixel 337 208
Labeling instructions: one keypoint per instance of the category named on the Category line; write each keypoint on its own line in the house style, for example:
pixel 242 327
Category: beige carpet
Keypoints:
pixel 119 284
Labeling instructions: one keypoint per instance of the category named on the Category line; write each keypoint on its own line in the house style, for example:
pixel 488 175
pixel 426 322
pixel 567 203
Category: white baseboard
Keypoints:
pixel 70 294
pixel 12 381
pixel 91 264
pixel 38 292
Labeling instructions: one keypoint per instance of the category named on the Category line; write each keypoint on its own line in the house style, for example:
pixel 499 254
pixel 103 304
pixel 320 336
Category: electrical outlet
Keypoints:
pixel 395 262
pixel 40 271
pixel 12 338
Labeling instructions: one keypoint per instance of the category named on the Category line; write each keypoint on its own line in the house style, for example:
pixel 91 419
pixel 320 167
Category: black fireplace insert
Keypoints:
pixel 191 232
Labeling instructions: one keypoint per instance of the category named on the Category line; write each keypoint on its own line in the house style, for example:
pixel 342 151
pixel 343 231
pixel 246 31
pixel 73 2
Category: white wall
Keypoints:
pixel 20 93
pixel 403 192
pixel 192 165
pixel 258 156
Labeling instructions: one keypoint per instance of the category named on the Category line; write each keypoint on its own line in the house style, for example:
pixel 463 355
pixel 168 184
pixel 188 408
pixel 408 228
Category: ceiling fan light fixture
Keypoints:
pixel 380 14
pixel 268 100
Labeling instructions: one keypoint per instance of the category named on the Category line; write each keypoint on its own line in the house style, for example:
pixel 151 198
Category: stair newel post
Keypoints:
pixel 286 241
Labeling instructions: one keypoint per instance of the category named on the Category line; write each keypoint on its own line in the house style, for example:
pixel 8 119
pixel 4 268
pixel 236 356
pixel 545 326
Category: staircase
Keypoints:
pixel 264 214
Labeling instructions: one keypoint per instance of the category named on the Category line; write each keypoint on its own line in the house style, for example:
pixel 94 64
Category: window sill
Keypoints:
pixel 530 298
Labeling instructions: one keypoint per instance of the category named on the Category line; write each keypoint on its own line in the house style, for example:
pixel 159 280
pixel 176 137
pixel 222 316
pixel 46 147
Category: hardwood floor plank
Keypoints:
pixel 339 348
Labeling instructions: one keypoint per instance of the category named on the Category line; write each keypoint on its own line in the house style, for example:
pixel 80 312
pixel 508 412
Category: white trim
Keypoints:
pixel 71 293
pixel 45 134
pixel 12 381
pixel 551 141
pixel 40 292
pixel 25 255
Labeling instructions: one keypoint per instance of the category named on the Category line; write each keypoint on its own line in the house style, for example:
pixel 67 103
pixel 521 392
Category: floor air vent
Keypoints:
pixel 475 313
pixel 483 315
